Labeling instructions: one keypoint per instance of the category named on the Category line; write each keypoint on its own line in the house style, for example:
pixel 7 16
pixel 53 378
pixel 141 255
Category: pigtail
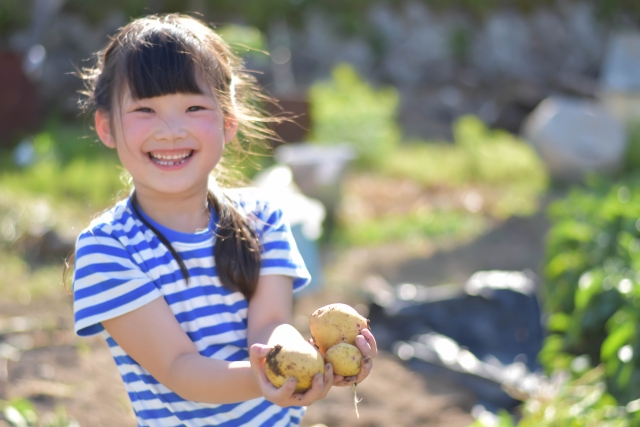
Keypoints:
pixel 237 249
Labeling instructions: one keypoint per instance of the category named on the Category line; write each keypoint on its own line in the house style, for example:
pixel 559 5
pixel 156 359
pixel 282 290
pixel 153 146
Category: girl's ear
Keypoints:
pixel 103 128
pixel 230 128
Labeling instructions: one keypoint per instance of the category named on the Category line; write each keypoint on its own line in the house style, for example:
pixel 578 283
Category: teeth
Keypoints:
pixel 170 159
pixel 170 156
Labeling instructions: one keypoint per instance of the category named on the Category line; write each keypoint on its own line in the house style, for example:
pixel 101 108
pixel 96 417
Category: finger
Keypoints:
pixel 258 352
pixel 365 370
pixel 313 394
pixel 328 379
pixel 371 340
pixel 346 381
pixel 285 392
pixel 363 346
pixel 337 380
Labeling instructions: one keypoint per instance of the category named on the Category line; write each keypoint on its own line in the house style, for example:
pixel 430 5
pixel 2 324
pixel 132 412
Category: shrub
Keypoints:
pixel 67 168
pixel 592 288
pixel 479 156
pixel 582 402
pixel 347 109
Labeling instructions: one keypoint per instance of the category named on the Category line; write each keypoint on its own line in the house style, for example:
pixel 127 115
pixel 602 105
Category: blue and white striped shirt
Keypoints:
pixel 121 265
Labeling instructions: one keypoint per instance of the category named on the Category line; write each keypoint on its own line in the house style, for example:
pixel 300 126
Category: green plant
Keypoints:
pixel 437 225
pixel 68 167
pixel 592 289
pixel 582 402
pixel 348 109
pixel 244 40
pixel 20 412
pixel 479 156
pixel 632 157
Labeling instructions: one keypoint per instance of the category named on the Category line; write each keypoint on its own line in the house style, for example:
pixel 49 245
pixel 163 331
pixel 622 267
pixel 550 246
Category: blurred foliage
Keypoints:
pixel 13 15
pixel 243 38
pixel 632 157
pixel 21 412
pixel 504 169
pixel 582 402
pixel 479 156
pixel 592 286
pixel 434 225
pixel 347 109
pixel 259 13
pixel 67 167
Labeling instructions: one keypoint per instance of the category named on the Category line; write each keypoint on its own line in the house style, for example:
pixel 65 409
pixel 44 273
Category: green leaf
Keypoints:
pixel 559 322
pixel 14 417
pixel 616 339
pixel 589 285
pixel 26 409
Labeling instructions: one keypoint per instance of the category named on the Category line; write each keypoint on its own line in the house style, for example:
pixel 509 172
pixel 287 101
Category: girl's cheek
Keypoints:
pixel 137 129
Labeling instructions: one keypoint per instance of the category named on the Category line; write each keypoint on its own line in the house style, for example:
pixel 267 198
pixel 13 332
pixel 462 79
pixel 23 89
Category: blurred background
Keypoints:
pixel 463 172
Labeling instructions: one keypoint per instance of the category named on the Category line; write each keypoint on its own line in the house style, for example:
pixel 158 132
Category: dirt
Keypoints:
pixel 58 370
pixel 61 370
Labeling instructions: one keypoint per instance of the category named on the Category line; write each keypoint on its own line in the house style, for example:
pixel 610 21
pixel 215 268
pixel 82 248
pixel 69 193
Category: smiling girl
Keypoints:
pixel 190 285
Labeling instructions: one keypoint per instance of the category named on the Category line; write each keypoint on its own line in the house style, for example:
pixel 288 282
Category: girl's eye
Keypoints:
pixel 144 110
pixel 195 108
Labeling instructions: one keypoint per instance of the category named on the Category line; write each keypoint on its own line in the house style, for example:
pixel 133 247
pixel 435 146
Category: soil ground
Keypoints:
pixel 80 375
pixel 56 369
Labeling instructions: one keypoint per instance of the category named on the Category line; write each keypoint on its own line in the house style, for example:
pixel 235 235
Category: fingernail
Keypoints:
pixel 366 360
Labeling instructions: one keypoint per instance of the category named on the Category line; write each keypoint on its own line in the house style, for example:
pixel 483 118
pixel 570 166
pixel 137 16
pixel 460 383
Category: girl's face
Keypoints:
pixel 169 144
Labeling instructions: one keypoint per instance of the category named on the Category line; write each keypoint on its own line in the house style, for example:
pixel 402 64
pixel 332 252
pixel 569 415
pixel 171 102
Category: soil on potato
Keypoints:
pixel 57 369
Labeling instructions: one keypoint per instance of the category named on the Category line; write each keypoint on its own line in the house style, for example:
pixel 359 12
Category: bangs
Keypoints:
pixel 160 65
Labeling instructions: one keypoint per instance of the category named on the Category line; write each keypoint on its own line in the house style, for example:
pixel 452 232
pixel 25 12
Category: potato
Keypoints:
pixel 345 358
pixel 301 361
pixel 336 323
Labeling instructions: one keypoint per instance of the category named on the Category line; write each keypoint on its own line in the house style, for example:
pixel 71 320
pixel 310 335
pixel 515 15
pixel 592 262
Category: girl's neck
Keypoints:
pixel 186 213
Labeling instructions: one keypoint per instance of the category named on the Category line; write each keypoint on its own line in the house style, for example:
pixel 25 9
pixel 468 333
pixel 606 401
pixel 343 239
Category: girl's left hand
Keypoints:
pixel 286 396
pixel 366 343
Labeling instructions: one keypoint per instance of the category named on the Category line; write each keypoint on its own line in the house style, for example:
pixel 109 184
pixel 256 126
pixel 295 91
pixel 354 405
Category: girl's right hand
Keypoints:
pixel 285 395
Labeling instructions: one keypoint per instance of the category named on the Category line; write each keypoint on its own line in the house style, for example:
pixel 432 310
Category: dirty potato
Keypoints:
pixel 345 358
pixel 336 323
pixel 299 361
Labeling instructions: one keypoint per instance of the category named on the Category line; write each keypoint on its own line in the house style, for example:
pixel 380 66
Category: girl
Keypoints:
pixel 190 286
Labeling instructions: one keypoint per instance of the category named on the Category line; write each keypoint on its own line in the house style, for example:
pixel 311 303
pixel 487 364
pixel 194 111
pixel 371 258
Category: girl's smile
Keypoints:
pixel 170 160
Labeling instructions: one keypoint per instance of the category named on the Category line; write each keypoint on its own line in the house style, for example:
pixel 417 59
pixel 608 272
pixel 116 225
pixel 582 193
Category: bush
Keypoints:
pixel 67 168
pixel 592 288
pixel 493 159
pixel 582 402
pixel 347 109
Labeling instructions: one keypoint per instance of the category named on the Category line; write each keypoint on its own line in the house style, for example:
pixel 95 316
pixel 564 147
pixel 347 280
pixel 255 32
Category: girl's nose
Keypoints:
pixel 170 129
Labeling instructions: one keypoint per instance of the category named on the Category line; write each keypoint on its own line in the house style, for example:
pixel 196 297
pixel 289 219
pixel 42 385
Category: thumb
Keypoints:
pixel 259 351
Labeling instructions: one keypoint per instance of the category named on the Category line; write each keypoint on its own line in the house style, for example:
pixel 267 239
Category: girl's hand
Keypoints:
pixel 366 343
pixel 285 395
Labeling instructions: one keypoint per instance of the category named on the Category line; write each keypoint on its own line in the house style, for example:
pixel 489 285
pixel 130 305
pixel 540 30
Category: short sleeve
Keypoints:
pixel 280 253
pixel 107 282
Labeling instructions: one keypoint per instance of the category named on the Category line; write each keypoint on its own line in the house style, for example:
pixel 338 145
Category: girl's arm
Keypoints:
pixel 269 318
pixel 152 336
